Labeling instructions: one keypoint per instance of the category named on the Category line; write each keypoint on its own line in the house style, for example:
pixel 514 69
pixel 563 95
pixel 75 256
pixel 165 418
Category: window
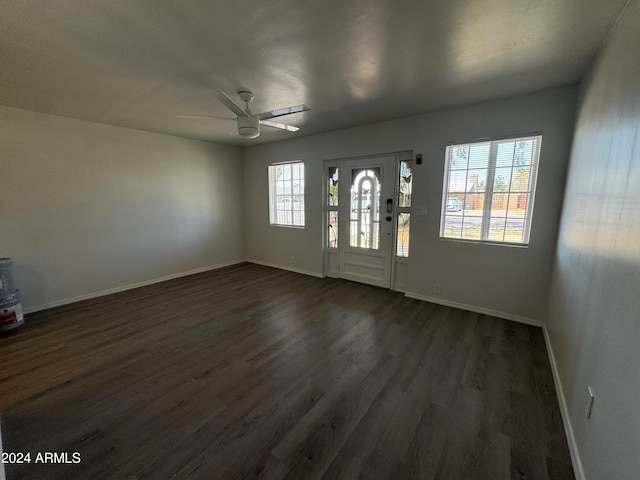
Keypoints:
pixel 286 194
pixel 405 181
pixel 489 190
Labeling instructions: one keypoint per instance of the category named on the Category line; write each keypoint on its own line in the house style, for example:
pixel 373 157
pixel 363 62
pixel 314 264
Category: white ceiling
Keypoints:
pixel 139 63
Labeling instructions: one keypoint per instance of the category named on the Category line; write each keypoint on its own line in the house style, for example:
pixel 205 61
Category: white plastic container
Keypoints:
pixel 11 315
pixel 7 280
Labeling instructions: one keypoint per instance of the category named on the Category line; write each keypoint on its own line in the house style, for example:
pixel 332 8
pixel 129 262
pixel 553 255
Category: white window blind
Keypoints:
pixel 489 190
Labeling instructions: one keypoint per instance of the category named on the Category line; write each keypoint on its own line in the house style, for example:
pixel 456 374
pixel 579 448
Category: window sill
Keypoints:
pixel 280 225
pixel 485 242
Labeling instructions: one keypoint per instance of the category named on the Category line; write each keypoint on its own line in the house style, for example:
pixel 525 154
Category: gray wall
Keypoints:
pixel 518 277
pixel 594 318
pixel 87 208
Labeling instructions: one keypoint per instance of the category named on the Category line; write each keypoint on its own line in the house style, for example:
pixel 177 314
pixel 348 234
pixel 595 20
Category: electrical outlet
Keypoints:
pixel 292 260
pixel 588 404
pixel 436 288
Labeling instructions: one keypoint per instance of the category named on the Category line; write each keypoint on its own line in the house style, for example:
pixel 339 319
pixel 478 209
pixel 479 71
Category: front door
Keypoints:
pixel 366 220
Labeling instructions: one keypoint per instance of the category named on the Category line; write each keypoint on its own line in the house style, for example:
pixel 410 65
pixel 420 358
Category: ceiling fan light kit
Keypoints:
pixel 248 127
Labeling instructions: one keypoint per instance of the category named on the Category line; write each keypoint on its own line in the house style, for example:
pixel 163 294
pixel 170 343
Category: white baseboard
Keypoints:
pixel 578 470
pixel 473 308
pixel 110 291
pixel 285 267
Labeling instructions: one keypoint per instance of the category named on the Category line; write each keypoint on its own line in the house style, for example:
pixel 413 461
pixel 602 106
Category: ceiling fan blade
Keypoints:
pixel 204 117
pixel 281 126
pixel 283 111
pixel 224 99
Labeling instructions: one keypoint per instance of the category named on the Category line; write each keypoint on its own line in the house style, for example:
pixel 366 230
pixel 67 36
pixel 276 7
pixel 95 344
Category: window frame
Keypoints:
pixel 489 189
pixel 273 194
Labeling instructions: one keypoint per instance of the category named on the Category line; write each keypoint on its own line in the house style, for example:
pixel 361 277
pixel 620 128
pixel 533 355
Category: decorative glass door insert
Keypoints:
pixel 365 208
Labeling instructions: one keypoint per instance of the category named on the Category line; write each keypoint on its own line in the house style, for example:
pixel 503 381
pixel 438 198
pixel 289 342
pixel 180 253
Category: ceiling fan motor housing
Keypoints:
pixel 248 127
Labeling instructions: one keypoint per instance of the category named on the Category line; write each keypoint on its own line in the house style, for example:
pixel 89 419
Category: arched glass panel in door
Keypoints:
pixel 365 209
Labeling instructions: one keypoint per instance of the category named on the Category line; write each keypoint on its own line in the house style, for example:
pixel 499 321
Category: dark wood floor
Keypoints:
pixel 250 372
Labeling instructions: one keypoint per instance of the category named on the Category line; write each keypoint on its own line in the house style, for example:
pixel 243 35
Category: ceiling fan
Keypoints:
pixel 248 123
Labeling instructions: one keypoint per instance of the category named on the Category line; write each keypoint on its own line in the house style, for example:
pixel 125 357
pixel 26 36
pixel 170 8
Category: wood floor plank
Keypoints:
pixel 464 418
pixel 529 451
pixel 379 466
pixel 427 446
pixel 497 396
pixel 400 428
pixel 250 372
pixel 355 452
pixel 247 441
pixel 313 444
pixel 474 373
pixel 267 468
